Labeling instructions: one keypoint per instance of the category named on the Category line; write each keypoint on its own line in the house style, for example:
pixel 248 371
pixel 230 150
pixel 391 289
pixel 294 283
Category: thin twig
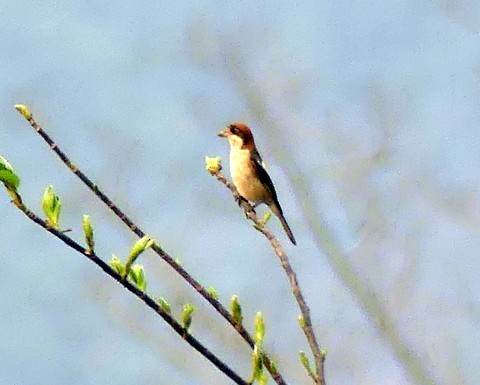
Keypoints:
pixel 277 377
pixel 307 327
pixel 179 329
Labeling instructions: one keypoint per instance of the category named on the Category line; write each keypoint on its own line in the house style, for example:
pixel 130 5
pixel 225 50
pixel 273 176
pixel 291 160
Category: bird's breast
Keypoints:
pixel 244 176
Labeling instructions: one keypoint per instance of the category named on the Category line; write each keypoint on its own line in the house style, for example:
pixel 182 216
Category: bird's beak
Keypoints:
pixel 224 133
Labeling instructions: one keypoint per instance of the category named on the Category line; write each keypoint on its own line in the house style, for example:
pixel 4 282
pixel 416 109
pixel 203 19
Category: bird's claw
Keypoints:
pixel 239 199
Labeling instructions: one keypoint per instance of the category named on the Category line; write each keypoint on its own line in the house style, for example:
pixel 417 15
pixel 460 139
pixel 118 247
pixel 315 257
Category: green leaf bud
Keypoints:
pixel 236 309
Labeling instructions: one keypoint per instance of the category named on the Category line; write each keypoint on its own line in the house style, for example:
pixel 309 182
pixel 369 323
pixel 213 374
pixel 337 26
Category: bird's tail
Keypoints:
pixel 278 212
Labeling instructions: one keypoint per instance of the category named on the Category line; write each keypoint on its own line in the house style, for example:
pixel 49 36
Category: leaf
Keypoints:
pixel 117 265
pixel 137 275
pixel 162 302
pixel 213 165
pixel 7 175
pixel 187 315
pixel 24 110
pixel 236 309
pixel 88 232
pixel 212 292
pixel 139 247
pixel 259 329
pixel 257 364
pixel 51 206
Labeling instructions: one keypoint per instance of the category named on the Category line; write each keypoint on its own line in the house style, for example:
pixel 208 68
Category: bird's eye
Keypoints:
pixel 234 130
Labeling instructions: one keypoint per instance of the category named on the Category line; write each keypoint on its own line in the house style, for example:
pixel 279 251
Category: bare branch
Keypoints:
pixel 307 328
pixel 179 329
pixel 156 248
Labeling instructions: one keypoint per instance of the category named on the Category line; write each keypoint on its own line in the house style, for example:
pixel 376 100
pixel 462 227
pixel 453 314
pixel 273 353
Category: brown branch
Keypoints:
pixel 179 329
pixel 277 377
pixel 307 327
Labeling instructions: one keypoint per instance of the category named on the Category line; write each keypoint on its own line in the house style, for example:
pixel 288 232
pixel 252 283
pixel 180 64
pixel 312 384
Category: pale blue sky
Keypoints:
pixel 115 84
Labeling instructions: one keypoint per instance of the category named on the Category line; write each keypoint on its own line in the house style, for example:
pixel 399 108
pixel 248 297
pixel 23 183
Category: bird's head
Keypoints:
pixel 238 135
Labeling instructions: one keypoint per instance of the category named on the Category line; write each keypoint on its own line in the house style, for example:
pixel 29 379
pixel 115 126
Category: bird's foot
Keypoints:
pixel 239 199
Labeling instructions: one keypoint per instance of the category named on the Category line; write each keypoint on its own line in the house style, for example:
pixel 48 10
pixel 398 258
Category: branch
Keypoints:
pixel 306 322
pixel 155 247
pixel 179 329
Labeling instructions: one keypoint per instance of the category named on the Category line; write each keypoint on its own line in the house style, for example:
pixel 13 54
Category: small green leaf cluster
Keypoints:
pixel 303 356
pixel 164 305
pixel 212 292
pixel 88 233
pixel 213 165
pixel 258 372
pixel 187 316
pixel 236 309
pixel 139 247
pixel 51 205
pixel 7 174
pixel 135 274
pixel 10 179
pixel 24 110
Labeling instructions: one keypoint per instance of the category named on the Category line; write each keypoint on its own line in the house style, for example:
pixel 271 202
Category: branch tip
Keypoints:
pixel 24 110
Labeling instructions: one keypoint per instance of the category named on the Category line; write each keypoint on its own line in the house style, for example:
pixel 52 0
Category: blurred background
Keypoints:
pixel 367 118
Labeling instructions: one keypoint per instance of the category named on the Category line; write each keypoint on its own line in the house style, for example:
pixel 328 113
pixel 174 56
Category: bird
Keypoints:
pixel 248 172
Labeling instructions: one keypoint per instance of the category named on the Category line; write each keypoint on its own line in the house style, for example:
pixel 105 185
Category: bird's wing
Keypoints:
pixel 264 177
